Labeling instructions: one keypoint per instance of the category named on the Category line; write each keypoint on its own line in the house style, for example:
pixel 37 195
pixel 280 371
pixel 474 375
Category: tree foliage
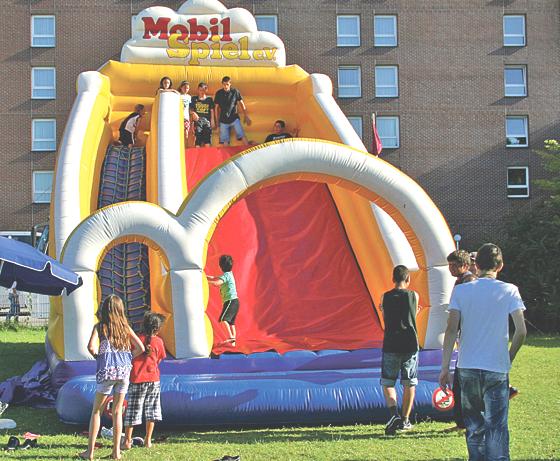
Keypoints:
pixel 532 249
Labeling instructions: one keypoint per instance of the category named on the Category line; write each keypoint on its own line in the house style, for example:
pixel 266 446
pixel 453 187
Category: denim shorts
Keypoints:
pixel 225 129
pixel 395 362
pixel 118 386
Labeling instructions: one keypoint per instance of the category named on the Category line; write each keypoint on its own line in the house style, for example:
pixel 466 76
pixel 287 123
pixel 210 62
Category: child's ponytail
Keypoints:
pixel 152 323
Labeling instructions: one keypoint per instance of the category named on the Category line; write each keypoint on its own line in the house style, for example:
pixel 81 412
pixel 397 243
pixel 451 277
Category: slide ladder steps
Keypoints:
pixel 124 270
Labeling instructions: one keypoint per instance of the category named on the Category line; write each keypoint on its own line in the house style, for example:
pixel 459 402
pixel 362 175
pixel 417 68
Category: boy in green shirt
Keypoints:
pixel 228 292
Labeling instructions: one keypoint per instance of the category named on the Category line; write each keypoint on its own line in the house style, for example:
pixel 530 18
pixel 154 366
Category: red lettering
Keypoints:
pixel 198 32
pixel 214 29
pixel 179 29
pixel 226 22
pixel 152 28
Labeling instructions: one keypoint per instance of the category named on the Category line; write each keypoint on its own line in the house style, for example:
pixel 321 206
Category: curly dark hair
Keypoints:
pixel 459 257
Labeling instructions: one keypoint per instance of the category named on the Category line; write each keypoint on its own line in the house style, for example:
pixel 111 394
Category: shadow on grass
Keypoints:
pixel 545 341
pixel 17 359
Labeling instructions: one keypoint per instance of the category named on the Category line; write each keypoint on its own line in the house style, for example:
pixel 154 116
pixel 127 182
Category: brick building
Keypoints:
pixel 464 90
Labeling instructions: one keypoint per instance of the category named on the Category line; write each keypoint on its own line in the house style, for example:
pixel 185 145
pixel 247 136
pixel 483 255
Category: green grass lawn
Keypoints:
pixel 534 416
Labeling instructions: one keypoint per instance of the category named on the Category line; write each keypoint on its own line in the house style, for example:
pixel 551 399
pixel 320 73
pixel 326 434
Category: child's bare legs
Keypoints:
pixel 128 436
pixel 118 400
pixel 231 334
pixel 94 423
pixel 149 431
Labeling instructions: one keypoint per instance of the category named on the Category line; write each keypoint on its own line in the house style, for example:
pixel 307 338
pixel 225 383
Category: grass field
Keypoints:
pixel 534 416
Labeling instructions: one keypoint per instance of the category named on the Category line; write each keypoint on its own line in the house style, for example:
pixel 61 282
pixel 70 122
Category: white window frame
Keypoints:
pixel 375 34
pixel 359 124
pixel 35 192
pixel 517 186
pixel 274 17
pixel 525 135
pixel 34 35
pixel 359 69
pixel 395 86
pixel 357 35
pixel 397 131
pixel 34 87
pixel 35 139
pixel 524 35
pixel 523 69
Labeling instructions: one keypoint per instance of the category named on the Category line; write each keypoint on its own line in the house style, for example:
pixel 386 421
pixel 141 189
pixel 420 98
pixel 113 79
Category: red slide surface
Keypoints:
pixel 298 282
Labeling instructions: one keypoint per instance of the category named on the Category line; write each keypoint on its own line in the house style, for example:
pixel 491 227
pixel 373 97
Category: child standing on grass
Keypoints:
pixel 228 292
pixel 144 392
pixel 114 336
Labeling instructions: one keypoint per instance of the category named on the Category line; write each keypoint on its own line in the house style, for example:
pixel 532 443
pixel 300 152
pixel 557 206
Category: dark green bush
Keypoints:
pixel 531 249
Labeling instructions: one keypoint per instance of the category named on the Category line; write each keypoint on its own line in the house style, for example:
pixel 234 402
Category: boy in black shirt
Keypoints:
pixel 228 99
pixel 400 348
pixel 204 116
pixel 280 132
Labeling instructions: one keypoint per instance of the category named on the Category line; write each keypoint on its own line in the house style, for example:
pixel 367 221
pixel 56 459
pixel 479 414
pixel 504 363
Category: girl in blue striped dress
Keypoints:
pixel 112 343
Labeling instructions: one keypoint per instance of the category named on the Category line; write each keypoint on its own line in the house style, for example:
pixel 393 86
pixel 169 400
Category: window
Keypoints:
pixel 514 30
pixel 386 82
pixel 42 31
pixel 349 82
pixel 43 83
pixel 515 80
pixel 518 181
pixel 388 129
pixel 517 132
pixel 356 123
pixel 42 186
pixel 43 134
pixel 267 23
pixel 385 31
pixel 348 31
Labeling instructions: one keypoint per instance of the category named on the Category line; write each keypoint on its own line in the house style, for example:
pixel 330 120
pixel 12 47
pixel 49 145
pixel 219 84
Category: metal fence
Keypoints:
pixel 34 308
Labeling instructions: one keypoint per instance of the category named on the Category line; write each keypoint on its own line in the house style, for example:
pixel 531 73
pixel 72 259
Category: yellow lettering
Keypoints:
pixel 244 47
pixel 177 48
pixel 258 55
pixel 215 47
pixel 230 51
pixel 270 53
pixel 198 51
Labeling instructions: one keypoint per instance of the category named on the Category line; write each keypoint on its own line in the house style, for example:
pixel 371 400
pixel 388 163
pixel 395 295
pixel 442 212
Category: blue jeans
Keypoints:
pixel 225 131
pixel 485 403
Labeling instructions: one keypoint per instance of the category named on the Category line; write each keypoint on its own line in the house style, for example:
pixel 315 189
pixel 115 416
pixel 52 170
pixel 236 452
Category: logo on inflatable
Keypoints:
pixel 189 40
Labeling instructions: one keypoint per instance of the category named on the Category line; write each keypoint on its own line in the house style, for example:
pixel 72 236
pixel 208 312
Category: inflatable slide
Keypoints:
pixel 315 226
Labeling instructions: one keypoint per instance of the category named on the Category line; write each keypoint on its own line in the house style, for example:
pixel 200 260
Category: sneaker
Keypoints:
pixel 406 426
pixel 513 392
pixel 393 424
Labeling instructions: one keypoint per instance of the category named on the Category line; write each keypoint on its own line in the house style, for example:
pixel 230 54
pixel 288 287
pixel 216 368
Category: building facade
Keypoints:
pixel 464 91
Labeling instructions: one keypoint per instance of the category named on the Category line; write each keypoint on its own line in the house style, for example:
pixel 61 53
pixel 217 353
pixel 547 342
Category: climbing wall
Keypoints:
pixel 124 270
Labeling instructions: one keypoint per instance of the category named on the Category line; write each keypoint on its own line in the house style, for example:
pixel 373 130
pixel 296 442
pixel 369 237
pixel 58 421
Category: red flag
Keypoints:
pixel 377 146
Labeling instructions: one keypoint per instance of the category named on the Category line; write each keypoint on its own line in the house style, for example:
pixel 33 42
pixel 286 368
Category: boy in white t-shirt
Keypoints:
pixel 483 308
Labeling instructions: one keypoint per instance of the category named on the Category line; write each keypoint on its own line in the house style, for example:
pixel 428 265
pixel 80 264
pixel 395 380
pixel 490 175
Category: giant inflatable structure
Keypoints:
pixel 315 225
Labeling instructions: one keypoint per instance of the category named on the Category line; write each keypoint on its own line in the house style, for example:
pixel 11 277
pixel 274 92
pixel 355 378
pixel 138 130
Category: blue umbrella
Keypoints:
pixel 34 271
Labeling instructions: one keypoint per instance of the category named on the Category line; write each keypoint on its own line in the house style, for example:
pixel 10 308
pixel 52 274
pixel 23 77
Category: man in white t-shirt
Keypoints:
pixel 483 308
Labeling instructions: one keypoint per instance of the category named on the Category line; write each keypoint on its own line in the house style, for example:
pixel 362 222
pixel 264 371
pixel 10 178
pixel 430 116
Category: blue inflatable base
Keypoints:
pixel 303 387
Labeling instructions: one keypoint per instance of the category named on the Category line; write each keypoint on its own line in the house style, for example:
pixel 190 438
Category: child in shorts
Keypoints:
pixel 144 391
pixel 228 292
pixel 110 344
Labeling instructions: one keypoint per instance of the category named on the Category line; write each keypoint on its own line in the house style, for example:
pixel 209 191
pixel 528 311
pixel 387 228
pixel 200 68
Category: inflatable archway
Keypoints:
pixel 184 241
pixel 315 225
